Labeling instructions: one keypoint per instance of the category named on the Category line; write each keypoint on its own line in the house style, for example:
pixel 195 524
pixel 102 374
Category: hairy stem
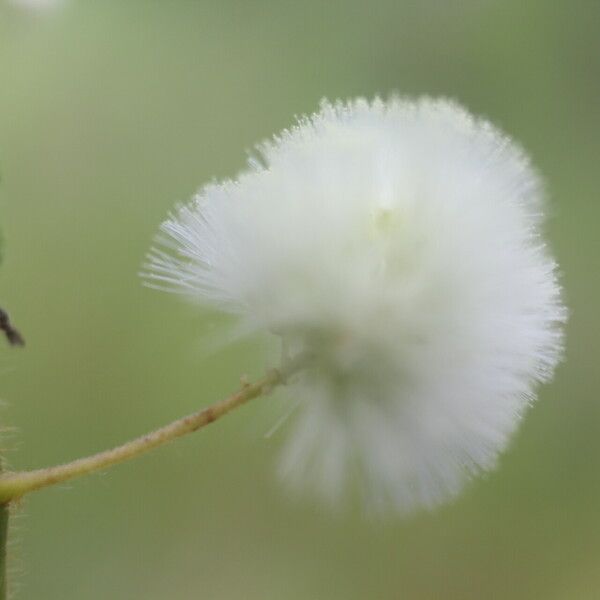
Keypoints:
pixel 17 484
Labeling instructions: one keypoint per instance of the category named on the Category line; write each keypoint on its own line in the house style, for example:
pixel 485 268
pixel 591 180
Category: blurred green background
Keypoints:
pixel 110 112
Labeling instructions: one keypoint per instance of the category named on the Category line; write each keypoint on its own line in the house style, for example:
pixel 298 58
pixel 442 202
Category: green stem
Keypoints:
pixel 16 484
pixel 4 514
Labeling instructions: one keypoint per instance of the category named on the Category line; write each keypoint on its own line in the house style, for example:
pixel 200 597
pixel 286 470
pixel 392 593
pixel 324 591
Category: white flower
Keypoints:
pixel 398 243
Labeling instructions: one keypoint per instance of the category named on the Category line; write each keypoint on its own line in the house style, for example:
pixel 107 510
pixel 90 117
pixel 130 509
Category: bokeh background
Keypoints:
pixel 110 112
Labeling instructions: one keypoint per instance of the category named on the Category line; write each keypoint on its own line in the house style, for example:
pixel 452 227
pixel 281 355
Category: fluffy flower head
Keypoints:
pixel 398 245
